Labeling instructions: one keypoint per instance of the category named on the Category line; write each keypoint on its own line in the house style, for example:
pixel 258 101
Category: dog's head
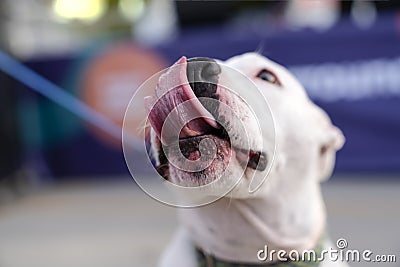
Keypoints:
pixel 215 130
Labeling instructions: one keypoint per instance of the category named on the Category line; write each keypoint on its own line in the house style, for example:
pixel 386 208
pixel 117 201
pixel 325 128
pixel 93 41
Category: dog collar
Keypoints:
pixel 208 260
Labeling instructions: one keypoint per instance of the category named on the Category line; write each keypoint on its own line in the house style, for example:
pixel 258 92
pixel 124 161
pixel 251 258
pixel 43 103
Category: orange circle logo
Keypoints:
pixel 111 79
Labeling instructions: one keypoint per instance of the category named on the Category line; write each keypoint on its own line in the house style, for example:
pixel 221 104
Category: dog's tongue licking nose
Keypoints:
pixel 171 92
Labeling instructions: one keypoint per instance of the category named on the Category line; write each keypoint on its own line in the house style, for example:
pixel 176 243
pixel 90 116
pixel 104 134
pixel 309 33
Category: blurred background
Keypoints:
pixel 66 195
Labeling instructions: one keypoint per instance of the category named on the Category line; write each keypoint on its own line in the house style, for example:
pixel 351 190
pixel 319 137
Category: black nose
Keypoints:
pixel 203 74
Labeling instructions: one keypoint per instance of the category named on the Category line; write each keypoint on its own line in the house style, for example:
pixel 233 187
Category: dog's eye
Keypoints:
pixel 268 76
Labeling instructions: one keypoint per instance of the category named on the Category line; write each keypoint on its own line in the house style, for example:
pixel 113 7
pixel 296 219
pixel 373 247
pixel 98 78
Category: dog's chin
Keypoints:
pixel 216 165
pixel 207 159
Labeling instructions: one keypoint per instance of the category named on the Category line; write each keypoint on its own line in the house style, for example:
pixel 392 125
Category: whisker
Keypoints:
pixel 260 48
pixel 230 200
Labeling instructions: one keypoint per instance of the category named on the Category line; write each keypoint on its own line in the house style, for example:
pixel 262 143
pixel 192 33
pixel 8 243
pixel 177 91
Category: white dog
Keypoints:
pixel 287 212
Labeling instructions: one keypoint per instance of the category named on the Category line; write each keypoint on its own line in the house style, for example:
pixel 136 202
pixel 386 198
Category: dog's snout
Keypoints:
pixel 203 74
pixel 203 69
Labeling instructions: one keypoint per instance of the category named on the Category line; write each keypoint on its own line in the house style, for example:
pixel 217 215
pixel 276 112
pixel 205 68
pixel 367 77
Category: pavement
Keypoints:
pixel 114 223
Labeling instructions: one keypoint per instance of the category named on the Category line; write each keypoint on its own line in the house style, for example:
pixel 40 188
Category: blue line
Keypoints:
pixel 58 95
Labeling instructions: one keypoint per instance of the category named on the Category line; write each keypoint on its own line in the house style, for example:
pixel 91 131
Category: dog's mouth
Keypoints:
pixel 195 118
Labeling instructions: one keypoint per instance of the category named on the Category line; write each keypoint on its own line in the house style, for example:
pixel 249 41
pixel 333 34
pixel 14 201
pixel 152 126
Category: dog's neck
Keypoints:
pixel 235 229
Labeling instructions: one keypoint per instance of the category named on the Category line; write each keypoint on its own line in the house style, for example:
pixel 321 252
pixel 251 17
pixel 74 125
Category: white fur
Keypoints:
pixel 288 211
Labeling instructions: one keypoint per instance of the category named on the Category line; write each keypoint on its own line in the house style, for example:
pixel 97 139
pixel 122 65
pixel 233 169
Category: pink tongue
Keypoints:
pixel 172 90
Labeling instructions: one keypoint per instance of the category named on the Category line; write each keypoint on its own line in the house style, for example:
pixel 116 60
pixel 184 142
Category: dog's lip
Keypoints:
pixel 252 159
